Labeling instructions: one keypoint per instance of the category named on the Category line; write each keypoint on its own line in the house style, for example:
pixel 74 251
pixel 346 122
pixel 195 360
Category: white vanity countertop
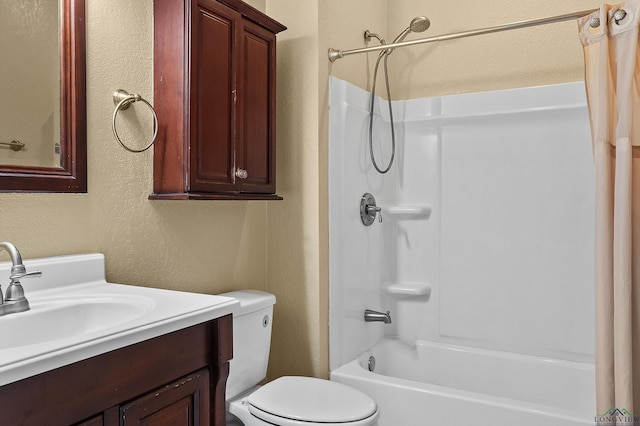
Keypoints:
pixel 75 314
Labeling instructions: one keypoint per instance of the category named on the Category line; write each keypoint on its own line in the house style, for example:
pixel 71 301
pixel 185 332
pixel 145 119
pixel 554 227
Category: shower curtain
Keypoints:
pixel 612 63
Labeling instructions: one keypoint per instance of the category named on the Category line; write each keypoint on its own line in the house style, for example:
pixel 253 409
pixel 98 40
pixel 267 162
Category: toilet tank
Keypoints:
pixel 251 340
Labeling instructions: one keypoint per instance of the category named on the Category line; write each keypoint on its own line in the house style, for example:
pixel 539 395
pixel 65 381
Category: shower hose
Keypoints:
pixel 385 54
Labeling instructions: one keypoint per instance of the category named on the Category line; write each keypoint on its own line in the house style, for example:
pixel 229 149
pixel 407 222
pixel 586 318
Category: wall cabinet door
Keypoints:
pixel 184 402
pixel 255 145
pixel 221 67
pixel 214 53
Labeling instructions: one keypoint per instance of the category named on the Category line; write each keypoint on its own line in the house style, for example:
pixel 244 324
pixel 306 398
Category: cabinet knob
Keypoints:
pixel 242 174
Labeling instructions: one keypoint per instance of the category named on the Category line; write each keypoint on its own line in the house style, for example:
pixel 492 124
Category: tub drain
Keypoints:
pixel 372 363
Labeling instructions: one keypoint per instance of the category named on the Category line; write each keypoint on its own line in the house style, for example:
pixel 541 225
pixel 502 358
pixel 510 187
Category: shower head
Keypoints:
pixel 417 25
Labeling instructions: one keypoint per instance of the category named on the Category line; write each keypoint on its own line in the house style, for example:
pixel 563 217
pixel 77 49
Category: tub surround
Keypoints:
pixel 485 245
pixel 486 238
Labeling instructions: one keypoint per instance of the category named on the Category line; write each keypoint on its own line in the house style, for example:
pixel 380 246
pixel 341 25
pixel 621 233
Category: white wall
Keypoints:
pixel 507 250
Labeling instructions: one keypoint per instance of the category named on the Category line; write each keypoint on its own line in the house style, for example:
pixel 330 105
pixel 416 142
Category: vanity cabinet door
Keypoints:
pixel 96 421
pixel 184 402
pixel 116 387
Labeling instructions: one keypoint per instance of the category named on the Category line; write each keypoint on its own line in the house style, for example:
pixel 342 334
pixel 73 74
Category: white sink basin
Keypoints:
pixel 76 314
pixel 55 318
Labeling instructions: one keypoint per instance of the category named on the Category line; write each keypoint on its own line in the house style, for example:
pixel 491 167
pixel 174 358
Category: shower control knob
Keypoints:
pixel 369 210
pixel 242 174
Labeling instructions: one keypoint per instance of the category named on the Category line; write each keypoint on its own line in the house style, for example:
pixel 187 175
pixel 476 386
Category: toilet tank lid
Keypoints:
pixel 250 300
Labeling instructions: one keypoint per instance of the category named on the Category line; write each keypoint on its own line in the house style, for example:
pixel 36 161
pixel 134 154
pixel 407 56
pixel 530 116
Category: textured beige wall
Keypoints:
pixel 297 228
pixel 293 223
pixel 342 26
pixel 278 246
pixel 542 55
pixel 261 5
pixel 207 247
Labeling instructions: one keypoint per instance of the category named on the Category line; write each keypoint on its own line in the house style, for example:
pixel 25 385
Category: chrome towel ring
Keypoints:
pixel 123 100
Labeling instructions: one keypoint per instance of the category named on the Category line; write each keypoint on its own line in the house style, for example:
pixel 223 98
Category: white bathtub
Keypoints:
pixel 425 383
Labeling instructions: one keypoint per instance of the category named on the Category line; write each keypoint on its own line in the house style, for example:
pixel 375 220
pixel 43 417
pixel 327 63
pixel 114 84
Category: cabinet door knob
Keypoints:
pixel 242 174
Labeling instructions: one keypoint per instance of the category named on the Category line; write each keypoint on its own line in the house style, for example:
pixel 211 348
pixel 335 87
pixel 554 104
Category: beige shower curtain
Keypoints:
pixel 612 62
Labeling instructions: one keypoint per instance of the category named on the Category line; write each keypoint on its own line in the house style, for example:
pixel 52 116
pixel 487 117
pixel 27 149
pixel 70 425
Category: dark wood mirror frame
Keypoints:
pixel 71 176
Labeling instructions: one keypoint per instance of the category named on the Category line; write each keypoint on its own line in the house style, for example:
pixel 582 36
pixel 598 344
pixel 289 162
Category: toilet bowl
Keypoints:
pixel 297 401
pixel 289 400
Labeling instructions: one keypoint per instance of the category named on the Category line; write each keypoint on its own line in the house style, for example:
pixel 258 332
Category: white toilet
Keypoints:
pixel 287 401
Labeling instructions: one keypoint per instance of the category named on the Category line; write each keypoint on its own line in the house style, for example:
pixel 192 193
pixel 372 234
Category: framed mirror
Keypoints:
pixel 43 130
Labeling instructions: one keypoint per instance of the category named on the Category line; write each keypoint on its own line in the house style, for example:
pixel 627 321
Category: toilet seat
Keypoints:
pixel 306 401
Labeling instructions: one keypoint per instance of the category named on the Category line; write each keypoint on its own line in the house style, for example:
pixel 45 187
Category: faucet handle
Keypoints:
pixel 32 274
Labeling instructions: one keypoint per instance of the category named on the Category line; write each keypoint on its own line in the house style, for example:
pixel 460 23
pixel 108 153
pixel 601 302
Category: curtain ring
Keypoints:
pixel 123 100
pixel 619 15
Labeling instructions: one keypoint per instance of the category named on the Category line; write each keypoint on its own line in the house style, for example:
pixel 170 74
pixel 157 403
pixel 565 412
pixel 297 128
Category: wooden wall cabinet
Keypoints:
pixel 178 379
pixel 214 93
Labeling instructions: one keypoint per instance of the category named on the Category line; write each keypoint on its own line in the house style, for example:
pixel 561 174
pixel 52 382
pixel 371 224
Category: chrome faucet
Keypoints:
pixel 15 300
pixel 371 316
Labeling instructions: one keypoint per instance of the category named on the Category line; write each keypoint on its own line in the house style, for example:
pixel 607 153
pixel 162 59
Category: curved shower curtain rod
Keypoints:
pixel 335 54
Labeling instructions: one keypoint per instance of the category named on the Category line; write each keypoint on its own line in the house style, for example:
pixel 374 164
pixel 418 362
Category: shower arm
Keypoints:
pixel 335 54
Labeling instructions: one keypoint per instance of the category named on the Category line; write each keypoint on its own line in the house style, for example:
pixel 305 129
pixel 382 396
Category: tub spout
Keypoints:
pixel 371 316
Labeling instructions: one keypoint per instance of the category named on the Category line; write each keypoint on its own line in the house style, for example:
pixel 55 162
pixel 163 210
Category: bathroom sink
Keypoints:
pixel 57 319
pixel 76 314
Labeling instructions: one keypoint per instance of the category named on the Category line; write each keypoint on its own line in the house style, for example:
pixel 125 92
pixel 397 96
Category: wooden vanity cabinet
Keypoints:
pixel 178 379
pixel 214 94
pixel 95 421
pixel 184 402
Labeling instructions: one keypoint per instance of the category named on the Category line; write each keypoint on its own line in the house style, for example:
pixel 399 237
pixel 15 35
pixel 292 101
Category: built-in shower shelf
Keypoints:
pixel 407 211
pixel 411 289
